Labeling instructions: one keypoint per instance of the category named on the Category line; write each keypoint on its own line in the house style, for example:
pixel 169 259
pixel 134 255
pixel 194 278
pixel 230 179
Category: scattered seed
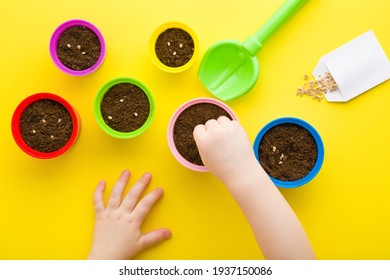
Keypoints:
pixel 83 53
pixel 181 45
pixel 135 114
pixel 281 156
pixel 121 100
pixel 34 131
pixel 69 45
pixel 52 137
pixel 78 46
pixel 174 53
pixel 280 162
pixel 109 117
pixel 317 88
pixel 273 148
pixel 169 43
pixel 44 121
pixel 59 120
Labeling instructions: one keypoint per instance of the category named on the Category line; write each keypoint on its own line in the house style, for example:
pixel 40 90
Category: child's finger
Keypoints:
pixel 210 124
pixel 98 201
pixel 116 193
pixel 154 237
pixel 145 205
pixel 131 198
pixel 223 119
pixel 198 131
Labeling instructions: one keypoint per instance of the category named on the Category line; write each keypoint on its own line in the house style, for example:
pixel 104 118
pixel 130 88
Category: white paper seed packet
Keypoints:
pixel 357 66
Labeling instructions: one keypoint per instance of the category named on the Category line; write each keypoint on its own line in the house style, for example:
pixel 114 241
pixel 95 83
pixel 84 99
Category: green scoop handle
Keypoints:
pixel 255 42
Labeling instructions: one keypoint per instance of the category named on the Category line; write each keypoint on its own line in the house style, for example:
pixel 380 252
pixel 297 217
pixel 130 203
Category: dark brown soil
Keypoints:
pixel 125 107
pixel 46 126
pixel 288 152
pixel 78 48
pixel 186 122
pixel 174 47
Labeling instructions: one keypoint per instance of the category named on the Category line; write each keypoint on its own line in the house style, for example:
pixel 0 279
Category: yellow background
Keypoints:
pixel 46 209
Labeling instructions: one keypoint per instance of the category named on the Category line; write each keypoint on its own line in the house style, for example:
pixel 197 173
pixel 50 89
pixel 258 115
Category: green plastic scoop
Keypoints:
pixel 230 68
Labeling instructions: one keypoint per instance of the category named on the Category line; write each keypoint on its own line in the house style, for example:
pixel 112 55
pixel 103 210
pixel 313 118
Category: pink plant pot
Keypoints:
pixel 171 142
pixel 54 42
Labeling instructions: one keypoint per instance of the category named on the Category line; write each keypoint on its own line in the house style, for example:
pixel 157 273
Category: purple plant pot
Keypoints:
pixel 54 41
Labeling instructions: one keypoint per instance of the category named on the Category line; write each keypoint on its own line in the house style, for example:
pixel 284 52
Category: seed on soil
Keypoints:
pixel 122 113
pixel 174 47
pixel 135 114
pixel 40 129
pixel 72 42
pixel 109 117
pixel 121 100
pixel 273 148
pixel 299 154
pixel 83 53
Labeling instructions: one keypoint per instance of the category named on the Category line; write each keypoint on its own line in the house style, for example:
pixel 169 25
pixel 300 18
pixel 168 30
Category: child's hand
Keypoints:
pixel 117 233
pixel 226 151
pixel 225 148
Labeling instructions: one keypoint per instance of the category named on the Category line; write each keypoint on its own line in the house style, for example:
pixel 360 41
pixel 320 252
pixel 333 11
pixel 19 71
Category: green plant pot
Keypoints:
pixel 98 111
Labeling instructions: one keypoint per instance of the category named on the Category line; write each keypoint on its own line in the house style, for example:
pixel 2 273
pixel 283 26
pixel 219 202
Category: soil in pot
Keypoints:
pixel 185 124
pixel 288 152
pixel 78 48
pixel 46 126
pixel 125 107
pixel 174 47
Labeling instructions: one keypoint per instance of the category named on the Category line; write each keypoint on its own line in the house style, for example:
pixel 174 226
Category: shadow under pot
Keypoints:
pixel 77 47
pixel 182 124
pixel 290 150
pixel 45 125
pixel 124 108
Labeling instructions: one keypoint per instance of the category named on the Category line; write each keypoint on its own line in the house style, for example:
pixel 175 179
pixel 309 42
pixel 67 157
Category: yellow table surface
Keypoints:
pixel 46 209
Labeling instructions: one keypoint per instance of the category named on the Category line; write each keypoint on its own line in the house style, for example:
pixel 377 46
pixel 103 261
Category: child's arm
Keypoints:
pixel 117 234
pixel 226 151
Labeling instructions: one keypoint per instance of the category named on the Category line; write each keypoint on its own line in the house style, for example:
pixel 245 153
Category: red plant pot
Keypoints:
pixel 16 132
